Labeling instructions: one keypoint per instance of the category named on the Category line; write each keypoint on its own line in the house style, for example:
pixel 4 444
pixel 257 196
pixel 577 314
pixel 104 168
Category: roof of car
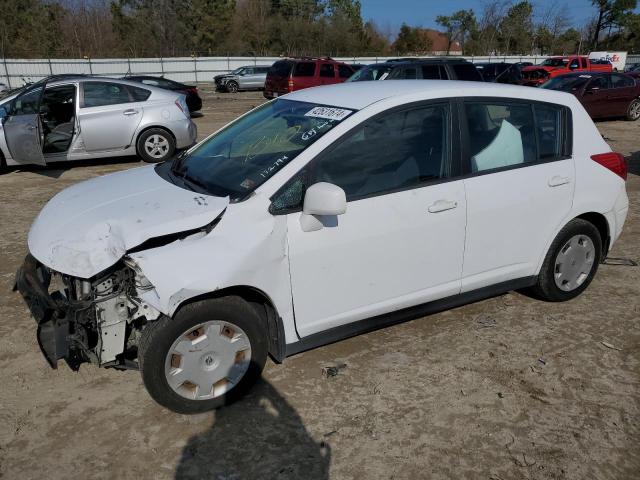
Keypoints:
pixel 358 95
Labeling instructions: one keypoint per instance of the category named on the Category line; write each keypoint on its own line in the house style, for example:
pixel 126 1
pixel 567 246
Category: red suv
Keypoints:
pixel 292 74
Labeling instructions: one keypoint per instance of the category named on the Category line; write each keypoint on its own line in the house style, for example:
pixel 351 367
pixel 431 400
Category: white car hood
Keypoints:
pixel 88 227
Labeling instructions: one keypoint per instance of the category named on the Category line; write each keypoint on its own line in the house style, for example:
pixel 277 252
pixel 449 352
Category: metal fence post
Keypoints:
pixel 50 67
pixel 162 66
pixel 90 69
pixel 6 72
pixel 195 67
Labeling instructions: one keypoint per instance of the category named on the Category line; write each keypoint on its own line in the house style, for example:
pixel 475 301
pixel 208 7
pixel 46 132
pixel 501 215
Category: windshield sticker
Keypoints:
pixel 266 173
pixel 314 131
pixel 328 112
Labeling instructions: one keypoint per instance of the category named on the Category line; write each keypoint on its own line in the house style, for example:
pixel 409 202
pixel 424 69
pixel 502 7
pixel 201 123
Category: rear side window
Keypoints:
pixel 141 94
pixel 431 72
pixel 305 69
pixel 97 94
pixel 513 134
pixel 500 135
pixel 466 71
pixel 281 68
pixel 621 81
pixel 409 73
pixel 344 71
pixel 326 70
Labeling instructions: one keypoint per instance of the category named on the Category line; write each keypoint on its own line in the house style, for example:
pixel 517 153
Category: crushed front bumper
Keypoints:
pixel 51 312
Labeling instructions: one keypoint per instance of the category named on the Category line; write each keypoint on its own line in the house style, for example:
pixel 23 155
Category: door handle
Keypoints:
pixel 441 206
pixel 131 111
pixel 557 180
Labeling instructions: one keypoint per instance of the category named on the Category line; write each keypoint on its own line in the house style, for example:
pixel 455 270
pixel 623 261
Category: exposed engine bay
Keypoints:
pixel 97 320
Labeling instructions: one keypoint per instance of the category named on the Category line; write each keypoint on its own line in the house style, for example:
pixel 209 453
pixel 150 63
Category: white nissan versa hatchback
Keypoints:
pixel 325 213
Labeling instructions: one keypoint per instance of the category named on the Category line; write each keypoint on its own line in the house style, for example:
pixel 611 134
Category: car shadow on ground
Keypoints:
pixel 633 162
pixel 55 170
pixel 261 436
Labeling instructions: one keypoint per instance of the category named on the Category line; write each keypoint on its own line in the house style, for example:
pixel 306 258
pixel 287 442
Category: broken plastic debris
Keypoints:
pixel 333 370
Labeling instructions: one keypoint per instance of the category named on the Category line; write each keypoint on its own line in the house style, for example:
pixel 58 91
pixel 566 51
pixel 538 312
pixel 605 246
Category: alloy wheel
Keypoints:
pixel 156 146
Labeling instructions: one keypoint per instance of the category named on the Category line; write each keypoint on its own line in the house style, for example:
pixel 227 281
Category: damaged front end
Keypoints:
pixel 96 320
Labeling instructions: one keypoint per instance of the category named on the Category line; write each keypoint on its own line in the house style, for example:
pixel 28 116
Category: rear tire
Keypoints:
pixel 633 111
pixel 232 87
pixel 571 262
pixel 155 145
pixel 226 350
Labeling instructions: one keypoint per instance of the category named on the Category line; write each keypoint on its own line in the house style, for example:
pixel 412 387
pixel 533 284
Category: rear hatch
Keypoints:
pixel 278 77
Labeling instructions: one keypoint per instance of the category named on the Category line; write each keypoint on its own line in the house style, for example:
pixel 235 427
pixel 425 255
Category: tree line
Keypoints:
pixel 166 28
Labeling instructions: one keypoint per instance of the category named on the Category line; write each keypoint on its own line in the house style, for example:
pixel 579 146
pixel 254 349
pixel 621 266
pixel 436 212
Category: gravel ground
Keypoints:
pixel 506 388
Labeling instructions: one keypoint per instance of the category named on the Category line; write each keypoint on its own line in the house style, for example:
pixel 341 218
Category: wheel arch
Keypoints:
pixel 599 221
pixel 146 128
pixel 264 307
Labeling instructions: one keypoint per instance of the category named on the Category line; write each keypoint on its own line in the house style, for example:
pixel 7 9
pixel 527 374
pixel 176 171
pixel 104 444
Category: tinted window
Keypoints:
pixel 248 71
pixel 394 151
pixel 304 69
pixel 27 103
pixel 97 94
pixel 621 81
pixel 371 72
pixel 566 83
pixel 575 63
pixel 601 82
pixel 500 135
pixel 409 73
pixel 344 71
pixel 281 68
pixel 431 72
pixel 466 71
pixel 326 70
pixel 139 94
pixel 262 69
pixel 549 131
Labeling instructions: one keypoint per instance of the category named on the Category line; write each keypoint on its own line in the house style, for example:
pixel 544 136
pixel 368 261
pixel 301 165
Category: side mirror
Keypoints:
pixel 322 200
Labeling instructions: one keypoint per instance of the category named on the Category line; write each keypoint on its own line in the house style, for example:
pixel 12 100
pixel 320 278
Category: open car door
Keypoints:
pixel 23 128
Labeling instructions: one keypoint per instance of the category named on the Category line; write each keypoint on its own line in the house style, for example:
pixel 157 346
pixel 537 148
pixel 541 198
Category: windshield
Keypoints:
pixel 566 84
pixel 246 153
pixel 371 72
pixel 555 62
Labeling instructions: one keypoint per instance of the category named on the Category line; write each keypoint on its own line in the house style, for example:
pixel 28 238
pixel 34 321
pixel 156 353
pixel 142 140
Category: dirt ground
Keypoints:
pixel 506 388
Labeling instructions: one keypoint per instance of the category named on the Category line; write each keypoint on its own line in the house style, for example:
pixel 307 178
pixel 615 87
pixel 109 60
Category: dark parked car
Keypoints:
pixel 602 94
pixel 425 69
pixel 293 74
pixel 194 102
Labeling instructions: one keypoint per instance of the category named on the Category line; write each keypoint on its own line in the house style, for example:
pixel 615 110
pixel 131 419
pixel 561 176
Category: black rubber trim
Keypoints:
pixel 375 323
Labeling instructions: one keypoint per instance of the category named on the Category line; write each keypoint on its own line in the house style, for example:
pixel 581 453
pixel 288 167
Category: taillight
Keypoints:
pixel 613 161
pixel 290 85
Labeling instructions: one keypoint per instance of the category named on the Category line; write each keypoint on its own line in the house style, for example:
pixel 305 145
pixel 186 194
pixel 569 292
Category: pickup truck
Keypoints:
pixel 553 66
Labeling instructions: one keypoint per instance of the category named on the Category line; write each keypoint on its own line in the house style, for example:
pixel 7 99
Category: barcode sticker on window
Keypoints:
pixel 328 112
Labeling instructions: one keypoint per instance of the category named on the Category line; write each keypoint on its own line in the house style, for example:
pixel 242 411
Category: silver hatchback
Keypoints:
pixel 74 118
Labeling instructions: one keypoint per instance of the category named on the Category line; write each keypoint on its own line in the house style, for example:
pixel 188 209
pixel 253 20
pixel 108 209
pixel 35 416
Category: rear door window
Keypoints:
pixel 466 71
pixel 97 94
pixel 621 81
pixel 410 73
pixel 514 134
pixel 601 82
pixel 431 72
pixel 326 70
pixel 304 69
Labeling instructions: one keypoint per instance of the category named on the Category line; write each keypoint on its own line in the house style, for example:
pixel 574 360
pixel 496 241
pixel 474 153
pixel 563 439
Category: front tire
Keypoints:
pixel 207 356
pixel 633 111
pixel 155 145
pixel 571 262
pixel 232 87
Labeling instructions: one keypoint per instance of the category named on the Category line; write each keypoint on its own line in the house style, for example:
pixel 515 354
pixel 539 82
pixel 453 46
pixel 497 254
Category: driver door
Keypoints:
pixel 23 128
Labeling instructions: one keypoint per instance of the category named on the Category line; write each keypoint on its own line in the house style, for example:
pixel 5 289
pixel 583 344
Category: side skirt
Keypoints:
pixel 375 323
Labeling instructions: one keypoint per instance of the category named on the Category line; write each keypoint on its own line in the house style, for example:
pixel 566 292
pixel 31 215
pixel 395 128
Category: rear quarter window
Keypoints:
pixel 139 94
pixel 281 68
pixel 305 69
